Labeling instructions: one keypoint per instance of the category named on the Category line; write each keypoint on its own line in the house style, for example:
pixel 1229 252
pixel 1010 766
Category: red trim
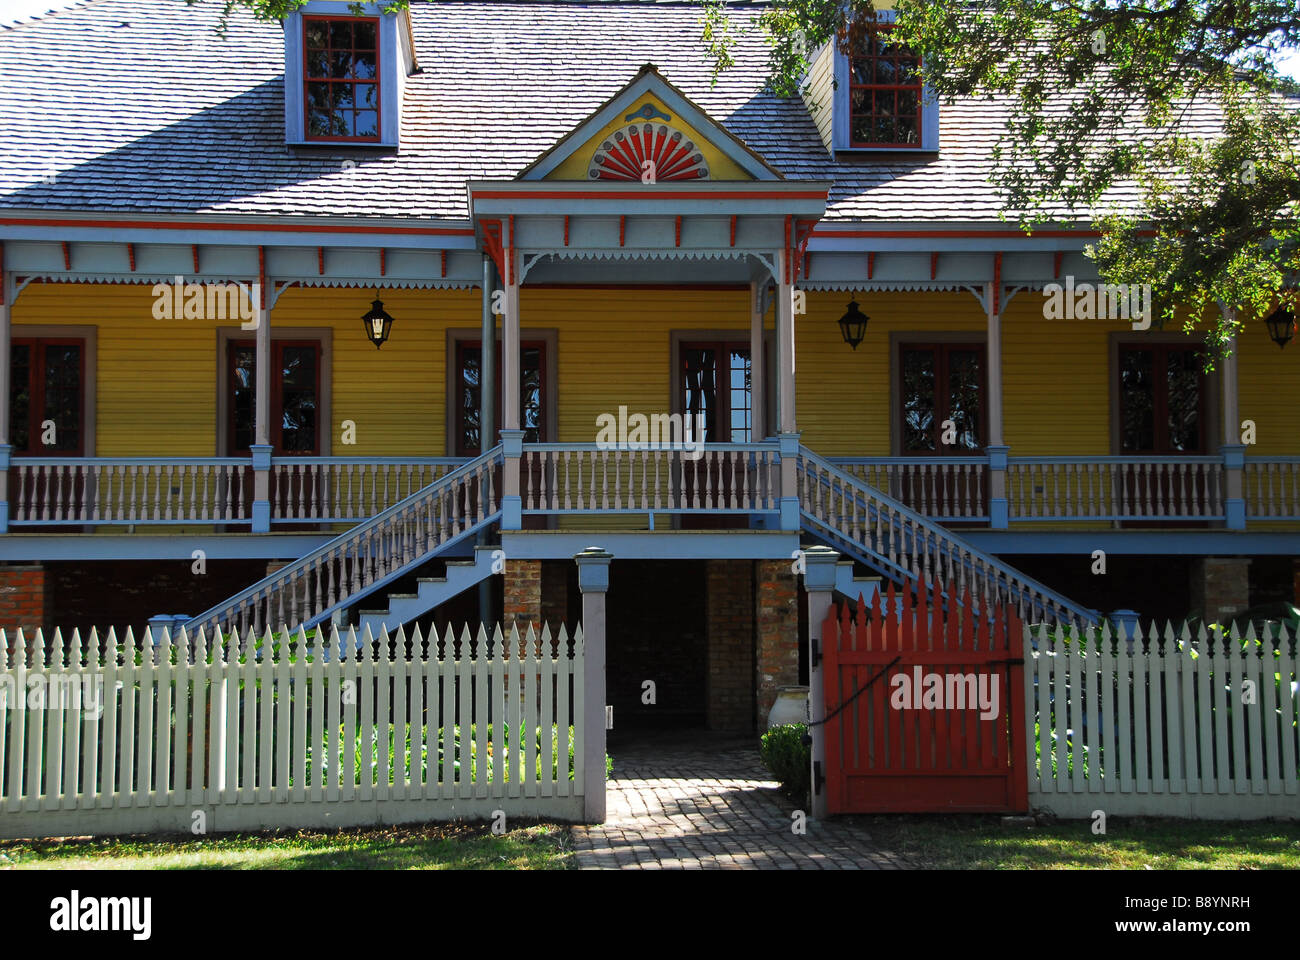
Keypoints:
pixel 871 264
pixel 492 244
pixel 194 250
pixel 1056 266
pixel 926 234
pixel 786 266
pixel 513 253
pixel 320 260
pixel 444 263
pixel 67 256
pixel 678 227
pixel 36 384
pixel 261 274
pixel 997 284
pixel 355 84
pixel 934 265
pixel 622 230
pixel 383 262
pixel 269 227
pixel 639 195
pixel 733 229
pixel 130 253
pixel 566 229
pixel 915 88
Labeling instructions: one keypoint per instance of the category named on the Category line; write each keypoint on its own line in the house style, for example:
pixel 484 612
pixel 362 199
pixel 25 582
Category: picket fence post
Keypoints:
pixel 819 583
pixel 593 581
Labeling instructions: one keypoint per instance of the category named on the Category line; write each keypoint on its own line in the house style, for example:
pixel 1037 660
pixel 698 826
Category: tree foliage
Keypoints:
pixel 1166 124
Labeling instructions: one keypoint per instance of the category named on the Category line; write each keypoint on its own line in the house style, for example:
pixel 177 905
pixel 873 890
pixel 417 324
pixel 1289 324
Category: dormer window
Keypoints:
pixel 342 78
pixel 885 93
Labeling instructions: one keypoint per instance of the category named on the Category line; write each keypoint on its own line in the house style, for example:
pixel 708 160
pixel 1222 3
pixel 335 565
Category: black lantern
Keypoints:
pixel 853 325
pixel 377 323
pixel 1281 326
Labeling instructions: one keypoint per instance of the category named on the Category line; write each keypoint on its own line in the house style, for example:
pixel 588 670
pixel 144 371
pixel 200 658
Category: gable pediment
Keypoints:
pixel 650 132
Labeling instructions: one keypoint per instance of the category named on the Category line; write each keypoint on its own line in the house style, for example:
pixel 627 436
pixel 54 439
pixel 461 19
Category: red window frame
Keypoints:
pixel 943 395
pixel 36 385
pixel 277 396
pixel 377 83
pixel 718 431
pixel 917 88
pixel 1160 400
pixel 458 411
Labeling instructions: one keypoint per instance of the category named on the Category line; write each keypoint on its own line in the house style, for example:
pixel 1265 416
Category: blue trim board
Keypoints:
pixel 1205 543
pixel 19 548
pixel 657 545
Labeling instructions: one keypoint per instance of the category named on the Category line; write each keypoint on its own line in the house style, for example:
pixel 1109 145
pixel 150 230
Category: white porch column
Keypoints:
pixel 512 437
pixel 261 448
pixel 6 451
pixel 785 392
pixel 757 369
pixel 996 448
pixel 593 581
pixel 819 584
pixel 1233 451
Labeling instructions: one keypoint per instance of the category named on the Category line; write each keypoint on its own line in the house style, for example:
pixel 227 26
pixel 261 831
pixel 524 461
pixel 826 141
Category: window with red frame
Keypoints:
pixel 47 383
pixel 341 70
pixel 884 91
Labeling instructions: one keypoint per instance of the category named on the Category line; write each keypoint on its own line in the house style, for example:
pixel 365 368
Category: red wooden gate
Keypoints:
pixel 941 728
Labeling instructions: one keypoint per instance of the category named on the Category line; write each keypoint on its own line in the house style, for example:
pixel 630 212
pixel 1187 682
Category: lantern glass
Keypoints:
pixel 378 324
pixel 1281 326
pixel 853 325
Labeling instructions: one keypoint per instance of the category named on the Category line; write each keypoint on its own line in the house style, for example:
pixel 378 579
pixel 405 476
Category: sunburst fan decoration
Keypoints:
pixel 649 152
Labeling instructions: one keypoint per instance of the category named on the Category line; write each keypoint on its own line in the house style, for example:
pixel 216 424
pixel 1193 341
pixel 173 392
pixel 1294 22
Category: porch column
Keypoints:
pixel 6 451
pixel 785 392
pixel 1233 451
pixel 996 449
pixel 487 411
pixel 819 584
pixel 593 581
pixel 261 448
pixel 512 438
pixel 757 371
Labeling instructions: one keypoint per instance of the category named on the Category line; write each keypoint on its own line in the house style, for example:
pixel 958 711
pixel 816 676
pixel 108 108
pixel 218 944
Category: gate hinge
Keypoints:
pixel 818 778
pixel 1010 661
pixel 815 650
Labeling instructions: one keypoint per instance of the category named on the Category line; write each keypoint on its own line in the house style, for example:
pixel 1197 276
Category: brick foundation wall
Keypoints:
pixel 523 595
pixel 1220 586
pixel 778 633
pixel 24 599
pixel 729 606
pixel 555 595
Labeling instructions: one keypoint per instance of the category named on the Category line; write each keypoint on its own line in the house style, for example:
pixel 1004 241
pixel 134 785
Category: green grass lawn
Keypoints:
pixel 450 846
pixel 956 842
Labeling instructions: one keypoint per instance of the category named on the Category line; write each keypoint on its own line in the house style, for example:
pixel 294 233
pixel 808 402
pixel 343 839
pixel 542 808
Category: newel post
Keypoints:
pixel 261 487
pixel 593 581
pixel 789 504
pixel 1234 487
pixel 819 584
pixel 512 504
pixel 999 511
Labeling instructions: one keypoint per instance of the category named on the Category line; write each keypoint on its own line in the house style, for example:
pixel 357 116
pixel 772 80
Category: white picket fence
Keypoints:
pixel 112 736
pixel 1163 723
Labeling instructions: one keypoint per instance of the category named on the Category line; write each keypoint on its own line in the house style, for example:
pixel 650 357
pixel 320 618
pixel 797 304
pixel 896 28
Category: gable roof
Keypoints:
pixel 138 106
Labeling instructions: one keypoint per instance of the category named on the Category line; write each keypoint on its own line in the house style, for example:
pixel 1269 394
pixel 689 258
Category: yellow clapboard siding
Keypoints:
pixel 157 380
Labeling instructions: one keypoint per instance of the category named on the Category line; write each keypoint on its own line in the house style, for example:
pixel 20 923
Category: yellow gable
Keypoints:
pixel 649 109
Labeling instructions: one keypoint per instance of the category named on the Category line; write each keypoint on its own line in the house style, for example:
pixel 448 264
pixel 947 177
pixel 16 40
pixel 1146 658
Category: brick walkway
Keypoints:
pixel 708 802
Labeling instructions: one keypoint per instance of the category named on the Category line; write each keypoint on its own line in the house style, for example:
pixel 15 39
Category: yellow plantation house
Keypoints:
pixel 248 281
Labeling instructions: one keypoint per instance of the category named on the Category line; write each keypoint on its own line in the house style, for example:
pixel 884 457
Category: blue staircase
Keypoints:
pixel 430 592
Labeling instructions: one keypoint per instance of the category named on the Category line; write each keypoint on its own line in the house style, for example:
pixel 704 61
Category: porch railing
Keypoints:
pixel 581 478
pixel 941 487
pixel 348 489
pixel 1115 488
pixel 51 491
pixel 1272 487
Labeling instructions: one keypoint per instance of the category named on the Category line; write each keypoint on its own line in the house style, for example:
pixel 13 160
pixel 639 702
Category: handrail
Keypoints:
pixel 968 558
pixel 275 583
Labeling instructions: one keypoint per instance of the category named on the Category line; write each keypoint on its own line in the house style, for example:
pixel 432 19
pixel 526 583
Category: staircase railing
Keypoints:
pixel 366 557
pixel 901 542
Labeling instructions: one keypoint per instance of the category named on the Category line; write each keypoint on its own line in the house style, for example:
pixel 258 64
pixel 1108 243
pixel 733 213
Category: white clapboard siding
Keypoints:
pixel 1165 722
pixel 285 730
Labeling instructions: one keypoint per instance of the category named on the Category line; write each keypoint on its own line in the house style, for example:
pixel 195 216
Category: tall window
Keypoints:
pixel 717 385
pixel 1161 399
pixel 942 383
pixel 295 397
pixel 47 397
pixel 342 78
pixel 469 392
pixel 884 91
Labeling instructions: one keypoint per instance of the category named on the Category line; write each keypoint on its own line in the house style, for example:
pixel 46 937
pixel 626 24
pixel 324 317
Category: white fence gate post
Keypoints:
pixel 593 581
pixel 819 582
